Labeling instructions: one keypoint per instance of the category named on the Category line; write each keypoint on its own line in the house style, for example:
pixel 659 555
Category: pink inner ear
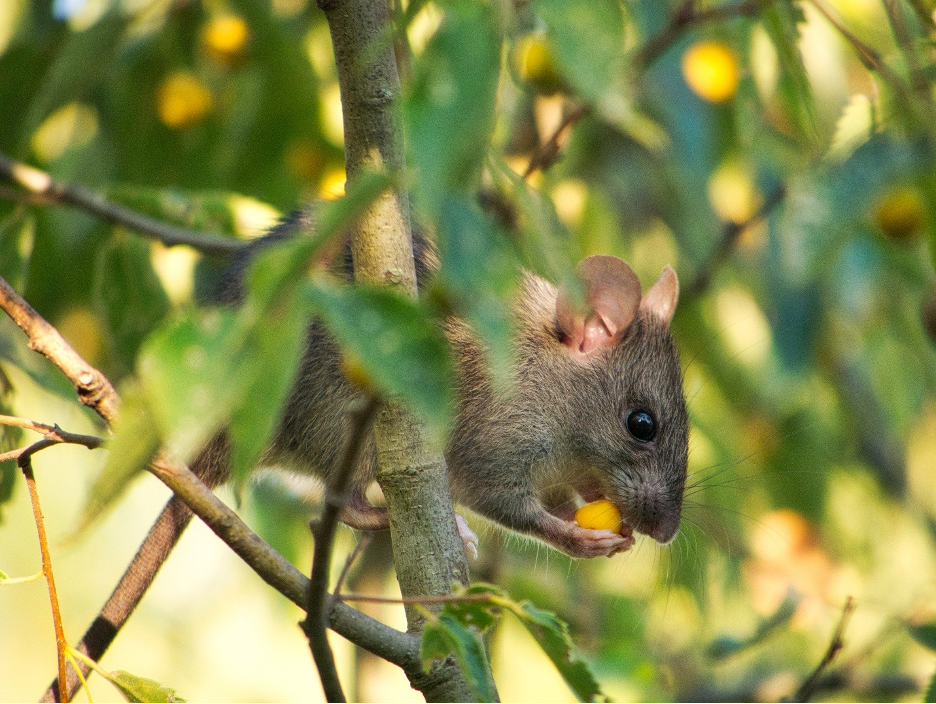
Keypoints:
pixel 612 295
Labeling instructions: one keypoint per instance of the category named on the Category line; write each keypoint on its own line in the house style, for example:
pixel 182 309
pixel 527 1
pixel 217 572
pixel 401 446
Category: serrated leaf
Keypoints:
pixel 134 444
pixel 552 634
pixel 449 111
pixel 394 340
pixel 854 127
pixel 446 635
pixel 781 21
pixel 925 635
pixel 141 689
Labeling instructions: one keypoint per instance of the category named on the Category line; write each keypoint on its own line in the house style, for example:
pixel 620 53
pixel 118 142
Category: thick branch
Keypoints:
pixel 428 553
pixel 41 185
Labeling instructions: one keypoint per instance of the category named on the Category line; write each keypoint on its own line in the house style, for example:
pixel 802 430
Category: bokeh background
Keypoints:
pixel 779 154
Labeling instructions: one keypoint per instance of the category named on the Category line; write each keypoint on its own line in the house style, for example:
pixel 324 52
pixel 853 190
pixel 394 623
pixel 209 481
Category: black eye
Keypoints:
pixel 641 425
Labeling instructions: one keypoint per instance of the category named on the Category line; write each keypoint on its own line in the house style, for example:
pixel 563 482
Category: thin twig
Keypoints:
pixel 25 464
pixel 362 544
pixel 547 153
pixel 40 184
pixel 54 435
pixel 93 388
pixel 336 496
pixel 808 687
pixel 730 235
pixel 685 17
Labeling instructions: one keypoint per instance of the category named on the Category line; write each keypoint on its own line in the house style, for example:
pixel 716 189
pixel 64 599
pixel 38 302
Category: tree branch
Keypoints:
pixel 25 464
pixel 808 687
pixel 54 435
pixel 336 496
pixel 40 185
pixel 93 388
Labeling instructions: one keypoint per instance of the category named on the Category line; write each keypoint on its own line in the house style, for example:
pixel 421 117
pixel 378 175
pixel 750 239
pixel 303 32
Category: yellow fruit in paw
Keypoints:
pixel 599 515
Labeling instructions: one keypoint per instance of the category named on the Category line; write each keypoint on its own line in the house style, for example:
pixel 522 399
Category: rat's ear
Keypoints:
pixel 612 295
pixel 660 301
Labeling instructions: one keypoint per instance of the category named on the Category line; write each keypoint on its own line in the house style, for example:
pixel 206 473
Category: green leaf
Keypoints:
pixel 399 347
pixel 135 443
pixel 552 634
pixel 781 21
pixel 930 696
pixel 447 635
pixel 481 268
pixel 925 635
pixel 127 294
pixel 594 64
pixel 141 689
pixel 449 112
pixel 192 372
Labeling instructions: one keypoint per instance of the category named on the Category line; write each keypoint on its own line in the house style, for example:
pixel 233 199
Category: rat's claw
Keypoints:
pixel 467 535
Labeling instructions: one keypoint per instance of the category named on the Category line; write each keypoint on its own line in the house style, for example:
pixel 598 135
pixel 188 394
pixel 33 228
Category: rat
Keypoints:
pixel 595 410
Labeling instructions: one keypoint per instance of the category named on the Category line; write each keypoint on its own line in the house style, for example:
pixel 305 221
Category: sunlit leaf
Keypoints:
pixel 134 444
pixel 141 689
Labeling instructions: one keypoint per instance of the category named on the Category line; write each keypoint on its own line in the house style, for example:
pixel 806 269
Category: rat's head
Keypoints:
pixel 630 427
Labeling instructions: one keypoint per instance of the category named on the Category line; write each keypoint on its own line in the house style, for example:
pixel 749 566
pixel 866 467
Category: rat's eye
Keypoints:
pixel 641 425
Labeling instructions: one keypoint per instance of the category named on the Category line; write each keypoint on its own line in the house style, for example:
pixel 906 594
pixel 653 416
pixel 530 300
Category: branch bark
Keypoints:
pixel 428 553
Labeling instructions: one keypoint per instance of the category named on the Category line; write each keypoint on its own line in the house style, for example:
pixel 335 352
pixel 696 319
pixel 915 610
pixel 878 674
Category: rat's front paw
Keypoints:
pixel 584 542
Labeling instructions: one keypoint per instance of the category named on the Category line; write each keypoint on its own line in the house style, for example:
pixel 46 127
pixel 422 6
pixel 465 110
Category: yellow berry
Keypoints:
pixel 534 63
pixel 900 214
pixel 183 100
pixel 711 71
pixel 599 515
pixel 225 37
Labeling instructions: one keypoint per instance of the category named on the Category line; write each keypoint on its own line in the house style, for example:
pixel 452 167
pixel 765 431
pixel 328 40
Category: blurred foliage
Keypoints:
pixel 781 155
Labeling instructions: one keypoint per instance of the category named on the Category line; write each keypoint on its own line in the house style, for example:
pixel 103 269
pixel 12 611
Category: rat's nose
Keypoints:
pixel 657 513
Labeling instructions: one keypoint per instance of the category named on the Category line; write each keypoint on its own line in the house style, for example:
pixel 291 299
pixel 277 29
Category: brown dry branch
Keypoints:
pixel 548 152
pixel 38 185
pixel 61 646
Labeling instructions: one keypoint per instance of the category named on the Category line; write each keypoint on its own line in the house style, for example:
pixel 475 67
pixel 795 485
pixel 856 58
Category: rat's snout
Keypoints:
pixel 656 513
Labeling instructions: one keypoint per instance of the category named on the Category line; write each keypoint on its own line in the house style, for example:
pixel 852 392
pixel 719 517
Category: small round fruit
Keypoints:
pixel 900 214
pixel 183 100
pixel 599 515
pixel 225 37
pixel 534 63
pixel 711 71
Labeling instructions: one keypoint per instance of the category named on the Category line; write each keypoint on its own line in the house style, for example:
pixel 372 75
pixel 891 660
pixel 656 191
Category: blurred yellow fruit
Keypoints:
pixel 225 37
pixel 534 63
pixel 599 515
pixel 81 328
pixel 711 71
pixel 183 100
pixel 332 184
pixel 900 214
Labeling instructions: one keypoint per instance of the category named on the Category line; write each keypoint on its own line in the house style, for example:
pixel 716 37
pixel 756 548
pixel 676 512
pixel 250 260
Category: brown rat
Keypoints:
pixel 595 409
